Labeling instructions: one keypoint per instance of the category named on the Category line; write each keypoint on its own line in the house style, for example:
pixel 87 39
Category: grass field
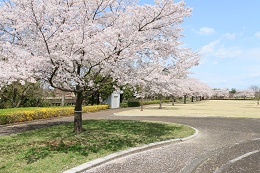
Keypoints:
pixel 56 149
pixel 207 108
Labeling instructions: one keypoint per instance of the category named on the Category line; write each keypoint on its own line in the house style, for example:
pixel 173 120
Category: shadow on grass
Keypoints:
pixel 12 129
pixel 100 136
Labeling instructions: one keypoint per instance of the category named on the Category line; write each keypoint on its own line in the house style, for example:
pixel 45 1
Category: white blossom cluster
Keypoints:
pixel 69 42
pixel 221 93
pixel 249 93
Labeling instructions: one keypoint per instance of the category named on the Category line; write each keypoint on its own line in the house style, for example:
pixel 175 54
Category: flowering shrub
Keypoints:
pixel 43 113
pixel 94 108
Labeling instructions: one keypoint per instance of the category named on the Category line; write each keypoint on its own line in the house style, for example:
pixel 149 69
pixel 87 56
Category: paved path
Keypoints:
pixel 216 138
pixel 223 145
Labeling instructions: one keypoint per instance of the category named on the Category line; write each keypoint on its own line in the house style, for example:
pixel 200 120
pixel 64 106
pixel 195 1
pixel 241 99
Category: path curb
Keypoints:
pixel 99 161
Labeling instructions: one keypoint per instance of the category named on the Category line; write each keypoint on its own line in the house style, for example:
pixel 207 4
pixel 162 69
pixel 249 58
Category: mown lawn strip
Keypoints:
pixel 57 148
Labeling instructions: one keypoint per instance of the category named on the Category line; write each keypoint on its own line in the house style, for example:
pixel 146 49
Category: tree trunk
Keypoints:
pixel 173 100
pixel 22 97
pixel 142 99
pixel 93 99
pixel 14 98
pixel 18 103
pixel 192 97
pixel 62 98
pixel 185 99
pixel 78 114
pixel 142 103
pixel 98 98
pixel 160 107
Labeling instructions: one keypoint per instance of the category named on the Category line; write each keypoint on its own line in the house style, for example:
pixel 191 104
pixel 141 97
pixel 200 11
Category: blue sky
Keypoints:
pixel 227 34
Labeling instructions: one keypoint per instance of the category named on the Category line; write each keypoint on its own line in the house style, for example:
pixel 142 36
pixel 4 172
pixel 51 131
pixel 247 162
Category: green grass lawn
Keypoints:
pixel 57 148
pixel 207 108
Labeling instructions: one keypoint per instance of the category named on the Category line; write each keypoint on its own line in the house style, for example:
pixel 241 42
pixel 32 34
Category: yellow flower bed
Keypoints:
pixel 43 113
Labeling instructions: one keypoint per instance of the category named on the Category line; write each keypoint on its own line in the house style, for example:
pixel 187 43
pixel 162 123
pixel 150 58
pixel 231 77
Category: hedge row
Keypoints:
pixel 137 103
pixel 43 113
pixel 155 102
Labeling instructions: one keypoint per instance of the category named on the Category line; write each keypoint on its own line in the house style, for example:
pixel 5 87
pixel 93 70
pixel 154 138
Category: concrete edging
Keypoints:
pixel 99 161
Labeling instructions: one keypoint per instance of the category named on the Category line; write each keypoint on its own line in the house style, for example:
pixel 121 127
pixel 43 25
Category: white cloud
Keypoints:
pixel 203 60
pixel 215 49
pixel 209 48
pixel 215 63
pixel 230 36
pixel 257 34
pixel 228 52
pixel 205 31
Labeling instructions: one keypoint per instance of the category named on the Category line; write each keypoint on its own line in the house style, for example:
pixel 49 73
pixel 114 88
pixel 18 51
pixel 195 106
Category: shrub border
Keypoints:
pixel 44 113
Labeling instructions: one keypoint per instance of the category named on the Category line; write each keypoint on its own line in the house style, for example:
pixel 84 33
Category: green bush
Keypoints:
pixel 137 103
pixel 123 105
pixel 156 102
pixel 133 104
pixel 151 102
pixel 45 104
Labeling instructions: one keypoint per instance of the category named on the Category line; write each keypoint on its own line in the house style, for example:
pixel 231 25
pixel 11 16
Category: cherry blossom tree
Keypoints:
pixel 158 77
pixel 69 42
pixel 144 74
pixel 220 93
pixel 190 87
pixel 199 89
pixel 256 89
pixel 249 93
